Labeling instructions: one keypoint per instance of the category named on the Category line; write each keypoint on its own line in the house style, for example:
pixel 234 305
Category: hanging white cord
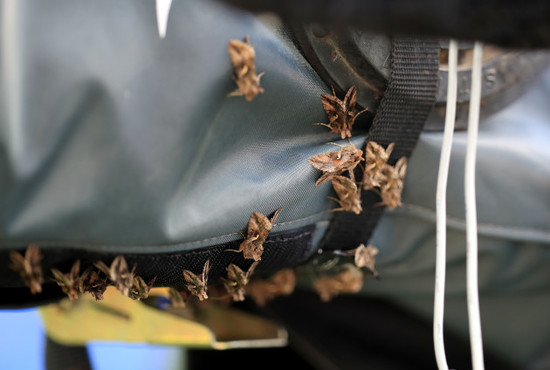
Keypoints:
pixel 474 321
pixel 441 208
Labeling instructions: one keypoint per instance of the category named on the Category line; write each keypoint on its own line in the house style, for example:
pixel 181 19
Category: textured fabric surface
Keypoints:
pixel 513 198
pixel 112 139
pixel 280 250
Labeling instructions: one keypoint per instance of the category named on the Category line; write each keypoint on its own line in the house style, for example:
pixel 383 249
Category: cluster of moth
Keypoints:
pixel 332 278
pixel 236 282
pixel 378 175
pixel 72 283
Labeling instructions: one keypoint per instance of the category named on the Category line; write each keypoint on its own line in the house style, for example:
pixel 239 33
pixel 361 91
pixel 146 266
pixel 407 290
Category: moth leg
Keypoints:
pixel 235 93
pixel 322 124
pixel 233 250
pixel 363 111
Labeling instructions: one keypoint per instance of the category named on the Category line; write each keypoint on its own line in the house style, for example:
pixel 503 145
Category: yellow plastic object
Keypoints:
pixel 118 318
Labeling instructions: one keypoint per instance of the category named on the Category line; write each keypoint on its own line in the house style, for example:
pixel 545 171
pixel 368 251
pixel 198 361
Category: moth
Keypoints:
pixel 69 282
pixel 392 186
pixel 364 257
pixel 349 196
pixel 90 282
pixel 29 267
pixel 376 158
pixel 197 285
pixel 237 280
pixel 243 57
pixel 140 289
pixel 119 274
pixel 350 280
pixel 341 113
pixel 258 229
pixel 263 291
pixel 178 297
pixel 334 163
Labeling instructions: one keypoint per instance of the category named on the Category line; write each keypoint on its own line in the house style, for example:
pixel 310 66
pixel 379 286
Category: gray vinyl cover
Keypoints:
pixel 114 139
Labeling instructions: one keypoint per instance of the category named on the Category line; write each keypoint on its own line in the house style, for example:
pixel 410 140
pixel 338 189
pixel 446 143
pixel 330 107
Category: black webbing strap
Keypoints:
pixel 407 101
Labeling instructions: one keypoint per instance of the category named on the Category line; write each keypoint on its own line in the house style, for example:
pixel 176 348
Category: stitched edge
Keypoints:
pixel 160 248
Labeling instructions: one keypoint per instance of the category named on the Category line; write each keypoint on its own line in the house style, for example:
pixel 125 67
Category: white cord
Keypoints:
pixel 474 320
pixel 441 208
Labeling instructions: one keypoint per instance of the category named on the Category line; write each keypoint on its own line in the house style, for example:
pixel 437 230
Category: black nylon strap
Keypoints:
pixel 407 101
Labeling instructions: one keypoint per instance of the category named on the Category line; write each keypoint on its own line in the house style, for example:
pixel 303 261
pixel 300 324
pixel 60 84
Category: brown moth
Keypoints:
pixel 118 273
pixel 392 186
pixel 349 196
pixel 90 282
pixel 364 257
pixel 198 285
pixel 263 291
pixel 29 267
pixel 178 297
pixel 140 289
pixel 70 282
pixel 258 229
pixel 350 280
pixel 237 280
pixel 376 158
pixel 341 114
pixel 243 57
pixel 334 163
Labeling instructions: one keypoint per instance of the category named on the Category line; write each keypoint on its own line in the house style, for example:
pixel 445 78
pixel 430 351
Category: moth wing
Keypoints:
pixel 261 223
pixel 205 271
pixel 59 277
pixel 325 162
pixel 350 99
pixel 333 107
pixel 75 269
pixel 17 260
pixel 343 186
pixel 275 215
pixel 242 56
pixel 401 167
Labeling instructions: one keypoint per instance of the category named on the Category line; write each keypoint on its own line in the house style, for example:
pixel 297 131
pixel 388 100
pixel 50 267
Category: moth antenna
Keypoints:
pixel 333 92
